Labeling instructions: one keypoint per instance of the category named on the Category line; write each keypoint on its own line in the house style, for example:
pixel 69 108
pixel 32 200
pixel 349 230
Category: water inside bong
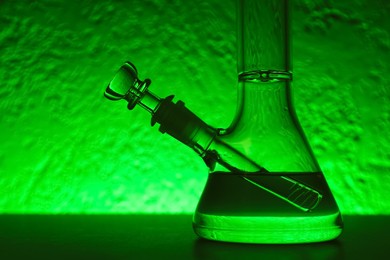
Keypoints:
pixel 242 207
pixel 253 194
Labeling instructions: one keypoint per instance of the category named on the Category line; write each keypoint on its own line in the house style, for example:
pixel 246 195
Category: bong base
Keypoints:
pixel 268 230
pixel 233 209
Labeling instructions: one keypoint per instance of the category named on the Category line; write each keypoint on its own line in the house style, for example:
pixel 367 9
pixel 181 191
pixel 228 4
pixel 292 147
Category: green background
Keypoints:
pixel 65 149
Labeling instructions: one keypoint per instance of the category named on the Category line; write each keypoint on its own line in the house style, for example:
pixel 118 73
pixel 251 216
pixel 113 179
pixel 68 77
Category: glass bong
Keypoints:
pixel 264 183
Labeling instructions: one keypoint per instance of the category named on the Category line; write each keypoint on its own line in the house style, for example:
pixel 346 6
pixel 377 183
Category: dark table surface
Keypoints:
pixel 170 237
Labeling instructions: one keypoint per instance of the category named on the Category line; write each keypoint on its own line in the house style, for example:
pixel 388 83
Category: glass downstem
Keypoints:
pixel 179 122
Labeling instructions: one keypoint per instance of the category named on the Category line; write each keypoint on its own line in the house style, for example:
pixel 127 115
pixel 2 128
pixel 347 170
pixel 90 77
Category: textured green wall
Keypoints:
pixel 64 148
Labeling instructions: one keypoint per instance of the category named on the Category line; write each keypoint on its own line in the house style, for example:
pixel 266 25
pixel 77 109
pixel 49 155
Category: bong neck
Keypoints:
pixel 263 35
pixel 263 62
